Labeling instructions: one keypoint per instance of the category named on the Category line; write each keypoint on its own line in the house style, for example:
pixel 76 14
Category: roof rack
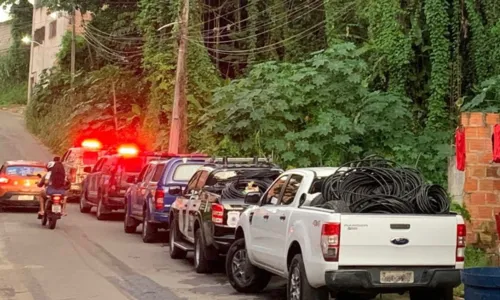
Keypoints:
pixel 247 161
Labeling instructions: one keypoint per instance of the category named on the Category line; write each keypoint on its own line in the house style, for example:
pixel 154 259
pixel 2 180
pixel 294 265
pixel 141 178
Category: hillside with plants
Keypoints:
pixel 311 82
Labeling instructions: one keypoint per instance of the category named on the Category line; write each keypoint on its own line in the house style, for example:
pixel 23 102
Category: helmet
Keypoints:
pixel 50 165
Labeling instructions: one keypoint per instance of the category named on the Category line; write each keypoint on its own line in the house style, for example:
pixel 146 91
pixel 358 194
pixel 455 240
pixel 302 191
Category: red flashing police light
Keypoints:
pixel 128 150
pixel 91 144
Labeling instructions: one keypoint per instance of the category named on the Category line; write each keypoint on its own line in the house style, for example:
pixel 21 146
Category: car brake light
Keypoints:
pixel 4 180
pixel 461 236
pixel 159 195
pixel 330 241
pixel 217 213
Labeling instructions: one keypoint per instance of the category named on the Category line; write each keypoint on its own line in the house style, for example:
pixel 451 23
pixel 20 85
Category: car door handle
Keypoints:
pixel 266 217
pixel 282 218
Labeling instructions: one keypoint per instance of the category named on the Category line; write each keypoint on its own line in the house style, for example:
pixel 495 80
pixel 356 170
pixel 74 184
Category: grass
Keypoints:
pixel 12 94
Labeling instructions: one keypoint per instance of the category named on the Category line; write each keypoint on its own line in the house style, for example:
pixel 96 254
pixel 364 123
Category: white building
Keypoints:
pixel 5 37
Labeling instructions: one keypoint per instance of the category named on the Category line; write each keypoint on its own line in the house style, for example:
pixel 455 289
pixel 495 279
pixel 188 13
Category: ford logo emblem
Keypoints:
pixel 400 241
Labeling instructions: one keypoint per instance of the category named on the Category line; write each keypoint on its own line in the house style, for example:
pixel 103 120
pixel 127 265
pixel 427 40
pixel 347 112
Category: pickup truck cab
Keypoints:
pixel 149 198
pixel 324 253
pixel 204 217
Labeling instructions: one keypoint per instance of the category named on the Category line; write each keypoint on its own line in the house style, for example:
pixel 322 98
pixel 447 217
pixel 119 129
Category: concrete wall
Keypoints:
pixel 456 180
pixel 5 38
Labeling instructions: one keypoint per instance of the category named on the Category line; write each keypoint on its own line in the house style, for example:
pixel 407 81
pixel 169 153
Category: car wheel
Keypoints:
pixel 84 207
pixel 100 208
pixel 432 294
pixel 298 287
pixel 175 252
pixel 202 264
pixel 149 230
pixel 129 224
pixel 44 219
pixel 242 275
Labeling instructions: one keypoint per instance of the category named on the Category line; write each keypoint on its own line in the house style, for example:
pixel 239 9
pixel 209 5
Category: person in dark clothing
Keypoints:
pixel 55 183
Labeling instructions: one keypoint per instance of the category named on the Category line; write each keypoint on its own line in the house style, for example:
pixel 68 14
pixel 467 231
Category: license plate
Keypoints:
pixel 27 198
pixel 56 208
pixel 232 218
pixel 396 277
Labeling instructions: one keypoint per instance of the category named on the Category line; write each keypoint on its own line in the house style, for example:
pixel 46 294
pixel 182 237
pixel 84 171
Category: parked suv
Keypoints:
pixel 203 219
pixel 107 182
pixel 153 191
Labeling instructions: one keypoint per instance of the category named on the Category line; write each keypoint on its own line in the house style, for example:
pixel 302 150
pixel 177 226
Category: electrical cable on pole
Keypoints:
pixel 73 46
pixel 178 128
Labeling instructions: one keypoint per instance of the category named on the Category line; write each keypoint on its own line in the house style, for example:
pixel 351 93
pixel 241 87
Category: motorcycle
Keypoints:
pixel 53 210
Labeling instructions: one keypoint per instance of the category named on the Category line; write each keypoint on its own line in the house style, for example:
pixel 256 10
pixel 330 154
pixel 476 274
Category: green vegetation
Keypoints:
pixel 310 82
pixel 14 94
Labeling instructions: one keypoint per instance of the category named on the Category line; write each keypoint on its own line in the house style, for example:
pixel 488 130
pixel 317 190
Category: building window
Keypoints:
pixel 39 36
pixel 53 29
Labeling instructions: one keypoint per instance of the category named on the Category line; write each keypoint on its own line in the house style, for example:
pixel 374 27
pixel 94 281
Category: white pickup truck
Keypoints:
pixel 324 253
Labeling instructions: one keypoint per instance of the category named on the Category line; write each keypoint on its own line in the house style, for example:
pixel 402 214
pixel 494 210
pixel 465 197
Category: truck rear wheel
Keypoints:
pixel 298 287
pixel 432 294
pixel 175 252
pixel 243 276
pixel 202 264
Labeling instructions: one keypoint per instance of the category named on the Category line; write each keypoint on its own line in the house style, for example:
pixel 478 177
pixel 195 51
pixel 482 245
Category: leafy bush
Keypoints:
pixel 487 98
pixel 317 112
pixel 14 94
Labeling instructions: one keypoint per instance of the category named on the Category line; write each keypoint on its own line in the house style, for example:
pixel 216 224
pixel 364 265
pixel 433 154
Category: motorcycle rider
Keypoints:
pixel 55 183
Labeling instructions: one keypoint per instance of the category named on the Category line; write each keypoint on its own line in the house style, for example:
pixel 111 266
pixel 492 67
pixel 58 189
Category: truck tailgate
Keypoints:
pixel 397 240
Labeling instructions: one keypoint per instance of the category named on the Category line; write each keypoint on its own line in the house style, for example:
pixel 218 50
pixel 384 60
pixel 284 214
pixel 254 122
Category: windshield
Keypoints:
pixel 25 171
pixel 133 164
pixel 90 157
pixel 185 172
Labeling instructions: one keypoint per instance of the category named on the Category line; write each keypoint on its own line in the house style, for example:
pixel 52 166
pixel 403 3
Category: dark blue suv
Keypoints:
pixel 153 191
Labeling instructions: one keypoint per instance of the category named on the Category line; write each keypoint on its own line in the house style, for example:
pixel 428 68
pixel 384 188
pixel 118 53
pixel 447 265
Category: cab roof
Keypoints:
pixel 25 163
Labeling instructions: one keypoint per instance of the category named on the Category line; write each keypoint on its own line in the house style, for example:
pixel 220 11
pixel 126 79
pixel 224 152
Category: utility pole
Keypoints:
pixel 73 46
pixel 178 140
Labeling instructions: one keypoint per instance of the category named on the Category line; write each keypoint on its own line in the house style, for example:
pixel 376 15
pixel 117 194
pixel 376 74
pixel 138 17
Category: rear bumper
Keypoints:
pixel 160 218
pixel 223 243
pixel 75 190
pixel 9 199
pixel 115 202
pixel 369 279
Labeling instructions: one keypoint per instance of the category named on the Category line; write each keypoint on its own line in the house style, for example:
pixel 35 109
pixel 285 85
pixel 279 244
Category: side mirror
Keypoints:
pixel 252 198
pixel 175 190
pixel 87 170
pixel 131 179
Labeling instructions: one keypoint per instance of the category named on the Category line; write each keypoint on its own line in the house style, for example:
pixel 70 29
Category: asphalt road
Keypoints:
pixel 87 259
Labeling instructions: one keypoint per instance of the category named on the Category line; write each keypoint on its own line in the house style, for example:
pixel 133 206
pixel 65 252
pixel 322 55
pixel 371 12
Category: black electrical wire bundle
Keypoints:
pixel 376 185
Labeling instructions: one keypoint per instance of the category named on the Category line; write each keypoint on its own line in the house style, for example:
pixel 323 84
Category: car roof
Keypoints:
pixel 25 163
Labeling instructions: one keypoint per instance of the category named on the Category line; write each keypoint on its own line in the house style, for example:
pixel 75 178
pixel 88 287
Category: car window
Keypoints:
pixel 90 157
pixel 192 182
pixel 99 164
pixel 25 171
pixel 291 189
pixel 201 181
pixel 108 164
pixel 65 156
pixel 158 172
pixel 184 172
pixel 273 193
pixel 149 173
pixel 143 172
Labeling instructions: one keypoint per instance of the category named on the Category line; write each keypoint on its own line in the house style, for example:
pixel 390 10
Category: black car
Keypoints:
pixel 203 219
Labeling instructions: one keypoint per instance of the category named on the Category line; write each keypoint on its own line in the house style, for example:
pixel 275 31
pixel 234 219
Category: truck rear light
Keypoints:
pixel 330 241
pixel 461 236
pixel 217 213
pixel 159 195
pixel 4 180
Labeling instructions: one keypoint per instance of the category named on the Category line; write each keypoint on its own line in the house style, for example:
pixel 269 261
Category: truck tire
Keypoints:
pixel 432 294
pixel 84 207
pixel 298 287
pixel 149 230
pixel 202 263
pixel 242 275
pixel 100 215
pixel 129 224
pixel 175 252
